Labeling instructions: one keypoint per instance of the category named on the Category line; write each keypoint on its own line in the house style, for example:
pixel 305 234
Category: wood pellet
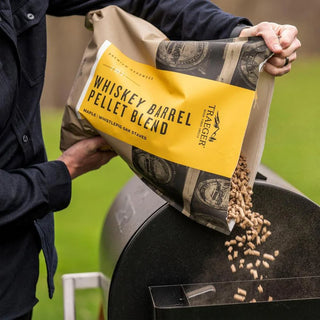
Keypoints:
pixel 269 256
pixel 251 245
pixel 254 273
pixel 242 292
pixel 244 249
pixel 249 265
pixel 239 297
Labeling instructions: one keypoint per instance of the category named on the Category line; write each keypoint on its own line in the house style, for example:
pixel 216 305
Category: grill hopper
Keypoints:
pixel 147 244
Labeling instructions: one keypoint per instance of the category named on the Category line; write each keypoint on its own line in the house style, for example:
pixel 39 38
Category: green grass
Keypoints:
pixel 292 150
pixel 292 146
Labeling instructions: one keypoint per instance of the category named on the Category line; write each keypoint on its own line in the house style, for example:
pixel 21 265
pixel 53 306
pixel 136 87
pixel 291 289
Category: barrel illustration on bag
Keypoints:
pixel 178 112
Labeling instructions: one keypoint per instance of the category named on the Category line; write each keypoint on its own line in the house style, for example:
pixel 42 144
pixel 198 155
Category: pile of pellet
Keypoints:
pixel 245 250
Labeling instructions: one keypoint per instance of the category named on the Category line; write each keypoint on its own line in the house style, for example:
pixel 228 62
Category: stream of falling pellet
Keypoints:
pixel 245 251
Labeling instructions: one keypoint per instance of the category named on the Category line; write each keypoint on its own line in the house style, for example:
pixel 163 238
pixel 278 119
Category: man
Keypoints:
pixel 32 188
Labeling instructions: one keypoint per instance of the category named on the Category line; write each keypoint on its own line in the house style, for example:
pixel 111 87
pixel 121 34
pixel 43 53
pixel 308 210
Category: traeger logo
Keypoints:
pixel 209 126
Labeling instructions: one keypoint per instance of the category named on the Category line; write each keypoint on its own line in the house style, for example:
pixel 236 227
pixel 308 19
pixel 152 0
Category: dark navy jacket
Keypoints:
pixel 32 188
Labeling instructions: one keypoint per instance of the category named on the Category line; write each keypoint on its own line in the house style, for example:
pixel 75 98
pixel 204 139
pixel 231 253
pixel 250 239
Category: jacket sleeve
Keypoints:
pixel 31 193
pixel 178 19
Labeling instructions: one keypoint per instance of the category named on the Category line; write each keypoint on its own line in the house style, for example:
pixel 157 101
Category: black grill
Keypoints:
pixel 164 266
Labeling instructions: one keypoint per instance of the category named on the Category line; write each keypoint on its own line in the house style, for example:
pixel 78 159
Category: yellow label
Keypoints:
pixel 192 121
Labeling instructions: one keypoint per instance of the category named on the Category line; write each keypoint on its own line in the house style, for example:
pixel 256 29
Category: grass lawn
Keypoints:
pixel 292 146
pixel 292 150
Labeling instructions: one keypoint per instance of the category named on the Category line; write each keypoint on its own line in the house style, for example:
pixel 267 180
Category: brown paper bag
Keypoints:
pixel 178 112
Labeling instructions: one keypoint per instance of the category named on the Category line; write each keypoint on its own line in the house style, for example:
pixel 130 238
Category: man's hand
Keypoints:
pixel 281 40
pixel 86 155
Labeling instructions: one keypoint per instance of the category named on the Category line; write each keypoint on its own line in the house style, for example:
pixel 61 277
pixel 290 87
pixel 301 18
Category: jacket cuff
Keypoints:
pixel 58 183
pixel 237 30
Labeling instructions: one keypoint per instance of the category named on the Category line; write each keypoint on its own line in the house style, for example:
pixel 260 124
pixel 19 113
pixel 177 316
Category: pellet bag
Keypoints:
pixel 179 113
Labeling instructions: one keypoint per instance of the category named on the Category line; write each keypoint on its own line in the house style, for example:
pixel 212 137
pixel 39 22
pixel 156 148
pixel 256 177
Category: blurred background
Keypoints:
pixel 67 38
pixel 292 146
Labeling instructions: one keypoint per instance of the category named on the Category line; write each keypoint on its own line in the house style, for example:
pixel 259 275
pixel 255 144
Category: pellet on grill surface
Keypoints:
pixel 268 234
pixel 267 222
pixel 232 242
pixel 249 222
pixel 260 221
pixel 242 292
pixel 230 249
pixel 266 264
pixel 254 273
pixel 276 253
pixel 270 298
pixel 255 253
pixel 249 265
pixel 233 268
pixel 258 262
pixel 238 297
pixel 235 254
pixel 230 258
pixel 232 216
pixel 243 225
pixel 251 245
pixel 253 300
pixel 254 235
pixel 242 215
pixel 239 239
pixel 268 256
pixel 258 241
pixel 254 221
pixel 242 261
pixel 260 289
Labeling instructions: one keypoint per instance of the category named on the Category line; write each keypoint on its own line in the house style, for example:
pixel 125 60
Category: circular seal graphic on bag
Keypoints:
pixel 155 169
pixel 182 54
pixel 214 193
pixel 252 56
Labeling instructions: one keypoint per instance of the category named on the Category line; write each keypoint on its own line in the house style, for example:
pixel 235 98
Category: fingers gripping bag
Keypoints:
pixel 179 113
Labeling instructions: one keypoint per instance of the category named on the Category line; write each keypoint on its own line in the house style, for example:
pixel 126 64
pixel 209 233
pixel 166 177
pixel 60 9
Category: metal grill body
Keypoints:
pixel 151 252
